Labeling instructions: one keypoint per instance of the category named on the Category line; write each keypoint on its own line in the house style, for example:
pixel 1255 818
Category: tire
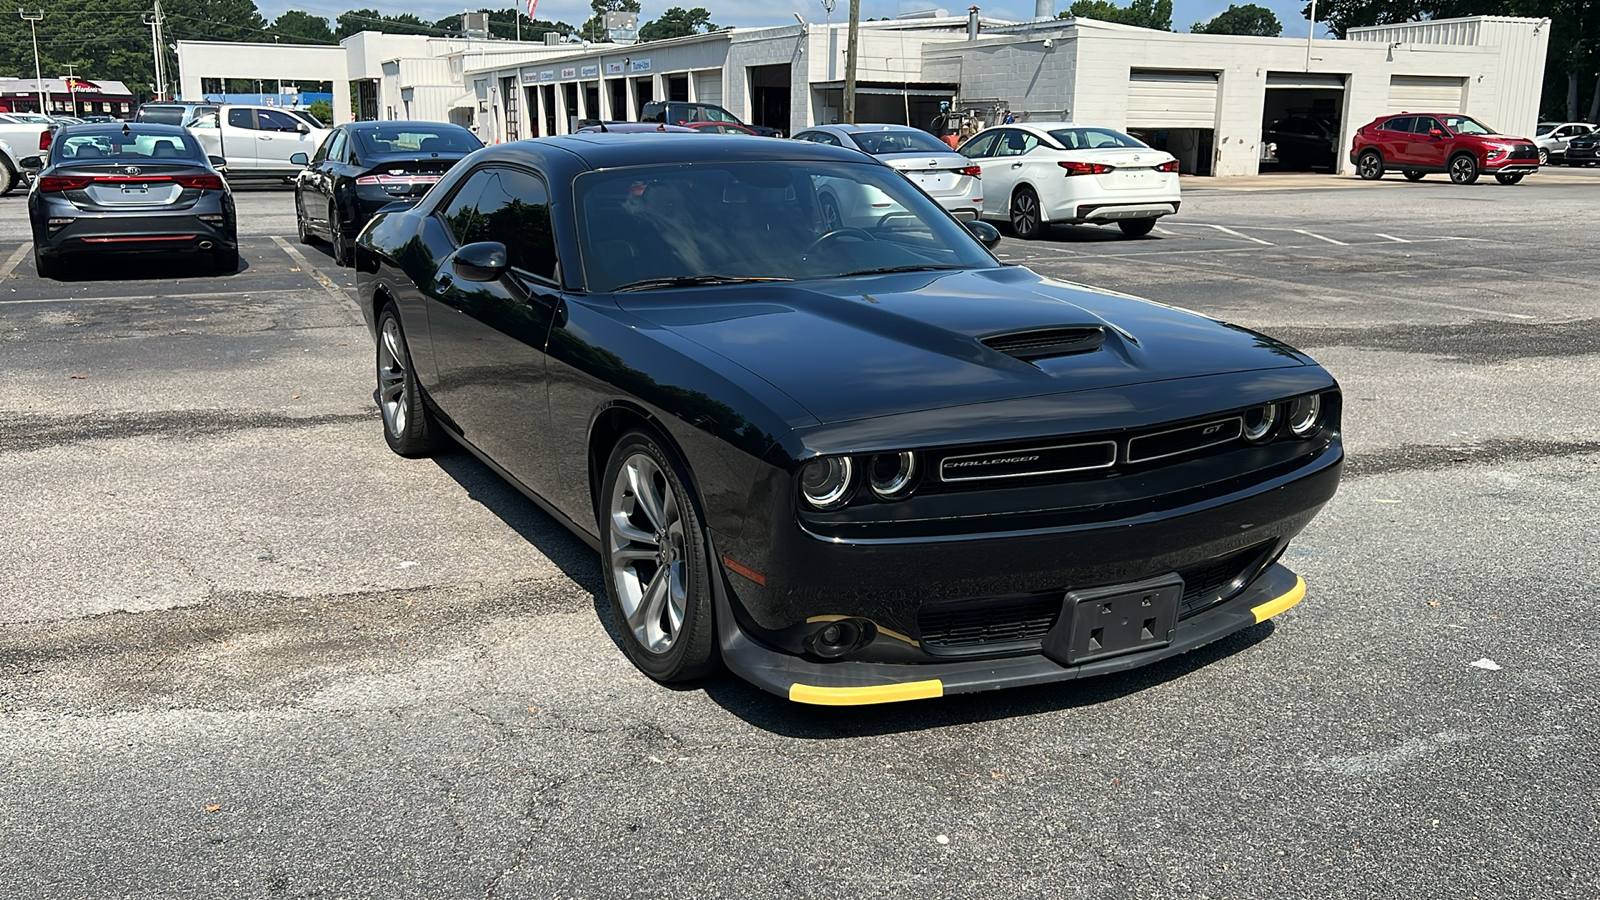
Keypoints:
pixel 1414 175
pixel 1137 227
pixel 1508 178
pixel 657 570
pixel 1369 165
pixel 1463 169
pixel 1544 157
pixel 1026 218
pixel 408 426
pixel 301 225
pixel 831 219
pixel 46 266
pixel 336 238
pixel 9 179
pixel 225 260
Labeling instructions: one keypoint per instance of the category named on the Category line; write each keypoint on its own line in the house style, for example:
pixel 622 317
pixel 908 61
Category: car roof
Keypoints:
pixel 117 128
pixel 399 123
pixel 858 129
pixel 602 150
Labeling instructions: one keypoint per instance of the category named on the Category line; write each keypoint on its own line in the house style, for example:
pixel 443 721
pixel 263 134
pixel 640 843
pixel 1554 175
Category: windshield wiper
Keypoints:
pixel 649 284
pixel 924 267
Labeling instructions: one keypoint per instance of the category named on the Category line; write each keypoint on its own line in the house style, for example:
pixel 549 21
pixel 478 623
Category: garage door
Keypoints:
pixel 708 87
pixel 1162 99
pixel 1426 93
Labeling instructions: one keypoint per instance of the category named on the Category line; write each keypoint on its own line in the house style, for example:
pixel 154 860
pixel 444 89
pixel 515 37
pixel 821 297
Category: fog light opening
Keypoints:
pixel 840 637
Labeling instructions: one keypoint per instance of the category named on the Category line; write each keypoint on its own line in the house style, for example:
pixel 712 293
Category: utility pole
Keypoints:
pixel 850 63
pixel 33 23
pixel 72 88
pixel 154 20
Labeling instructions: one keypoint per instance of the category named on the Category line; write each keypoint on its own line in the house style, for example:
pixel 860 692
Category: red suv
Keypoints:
pixel 1419 143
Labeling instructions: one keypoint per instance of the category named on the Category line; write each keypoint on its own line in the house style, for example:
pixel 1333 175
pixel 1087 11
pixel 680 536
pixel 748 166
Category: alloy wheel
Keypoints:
pixel 1463 170
pixel 1544 157
pixel 1370 167
pixel 393 398
pixel 649 556
pixel 1025 214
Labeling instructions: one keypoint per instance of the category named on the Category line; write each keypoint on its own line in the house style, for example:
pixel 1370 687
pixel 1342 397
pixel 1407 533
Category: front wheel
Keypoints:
pixel 1544 157
pixel 1509 177
pixel 336 238
pixel 1413 175
pixel 1463 170
pixel 1026 219
pixel 408 426
pixel 657 570
pixel 1370 166
pixel 1136 227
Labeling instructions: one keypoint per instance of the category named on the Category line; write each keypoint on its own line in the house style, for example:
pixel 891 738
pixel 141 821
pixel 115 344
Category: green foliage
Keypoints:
pixel 323 110
pixel 1249 19
pixel 1155 14
pixel 358 20
pixel 297 27
pixel 677 22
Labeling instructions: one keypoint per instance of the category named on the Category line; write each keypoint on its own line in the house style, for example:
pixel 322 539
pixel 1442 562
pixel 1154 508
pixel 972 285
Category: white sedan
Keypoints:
pixel 1039 173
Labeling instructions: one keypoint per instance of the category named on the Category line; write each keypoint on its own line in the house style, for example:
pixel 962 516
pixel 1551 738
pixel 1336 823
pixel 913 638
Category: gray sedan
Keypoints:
pixel 929 163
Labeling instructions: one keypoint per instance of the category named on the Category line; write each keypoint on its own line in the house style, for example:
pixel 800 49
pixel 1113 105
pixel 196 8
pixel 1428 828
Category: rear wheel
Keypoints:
pixel 657 570
pixel 8 178
pixel 408 426
pixel 1026 220
pixel 1463 170
pixel 1544 157
pixel 1509 177
pixel 301 225
pixel 831 219
pixel 1136 227
pixel 47 266
pixel 1370 165
pixel 1413 175
pixel 336 238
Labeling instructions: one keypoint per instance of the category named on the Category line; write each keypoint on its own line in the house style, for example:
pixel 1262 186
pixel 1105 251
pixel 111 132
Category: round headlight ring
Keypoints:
pixel 825 482
pixel 1261 423
pixel 892 475
pixel 1305 414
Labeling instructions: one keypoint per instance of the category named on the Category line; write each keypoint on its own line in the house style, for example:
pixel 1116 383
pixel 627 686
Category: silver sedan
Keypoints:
pixel 929 163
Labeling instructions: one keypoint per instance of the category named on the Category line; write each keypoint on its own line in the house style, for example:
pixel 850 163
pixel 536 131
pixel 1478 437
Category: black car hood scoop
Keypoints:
pixel 1045 343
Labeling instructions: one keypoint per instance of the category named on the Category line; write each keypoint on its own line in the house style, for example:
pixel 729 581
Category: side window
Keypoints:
pixel 207 121
pixel 242 118
pixel 1015 143
pixel 272 120
pixel 458 211
pixel 1426 125
pixel 822 137
pixel 654 112
pixel 1401 124
pixel 514 209
pixel 980 146
pixel 334 147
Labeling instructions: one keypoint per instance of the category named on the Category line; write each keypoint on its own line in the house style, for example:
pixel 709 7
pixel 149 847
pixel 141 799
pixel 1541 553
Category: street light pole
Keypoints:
pixel 72 87
pixel 850 63
pixel 33 24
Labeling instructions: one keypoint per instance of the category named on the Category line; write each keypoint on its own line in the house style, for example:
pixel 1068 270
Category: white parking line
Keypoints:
pixel 130 298
pixel 1226 230
pixel 15 258
pixel 1319 237
pixel 1390 237
pixel 338 293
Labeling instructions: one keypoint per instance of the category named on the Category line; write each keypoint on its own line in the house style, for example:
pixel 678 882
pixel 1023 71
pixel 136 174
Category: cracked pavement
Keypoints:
pixel 245 651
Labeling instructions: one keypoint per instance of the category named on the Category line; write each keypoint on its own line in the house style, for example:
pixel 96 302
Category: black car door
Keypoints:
pixel 317 179
pixel 489 338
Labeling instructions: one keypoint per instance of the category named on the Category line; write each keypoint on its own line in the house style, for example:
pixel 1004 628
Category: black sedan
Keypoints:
pixel 362 167
pixel 133 188
pixel 854 464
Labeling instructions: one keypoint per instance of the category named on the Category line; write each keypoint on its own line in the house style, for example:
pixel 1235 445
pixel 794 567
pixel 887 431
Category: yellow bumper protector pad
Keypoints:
pixel 1278 604
pixel 857 696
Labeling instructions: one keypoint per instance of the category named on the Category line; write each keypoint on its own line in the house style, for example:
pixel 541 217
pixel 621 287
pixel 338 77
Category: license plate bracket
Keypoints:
pixel 1100 623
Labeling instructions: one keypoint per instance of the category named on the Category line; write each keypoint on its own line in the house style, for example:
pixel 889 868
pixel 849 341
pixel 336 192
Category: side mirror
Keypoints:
pixel 217 162
pixel 303 128
pixel 987 234
pixel 1434 132
pixel 300 159
pixel 483 261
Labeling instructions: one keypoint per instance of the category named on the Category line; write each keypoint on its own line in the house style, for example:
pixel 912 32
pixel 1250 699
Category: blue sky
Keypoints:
pixel 773 12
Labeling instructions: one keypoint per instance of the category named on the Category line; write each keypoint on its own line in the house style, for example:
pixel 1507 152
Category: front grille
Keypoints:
pixel 1030 461
pixel 989 623
pixel 1175 441
pixel 1044 343
pixel 1524 153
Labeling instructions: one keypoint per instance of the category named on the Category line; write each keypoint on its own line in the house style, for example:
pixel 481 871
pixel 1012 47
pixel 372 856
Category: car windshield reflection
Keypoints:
pixel 651 227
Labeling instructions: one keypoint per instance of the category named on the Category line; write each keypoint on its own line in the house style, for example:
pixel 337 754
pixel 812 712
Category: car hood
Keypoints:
pixel 853 348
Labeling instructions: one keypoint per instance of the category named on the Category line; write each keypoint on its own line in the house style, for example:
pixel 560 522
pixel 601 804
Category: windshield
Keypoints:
pixel 1093 139
pixel 127 148
pixel 1466 125
pixel 879 143
pixel 658 226
pixel 387 140
pixel 1545 128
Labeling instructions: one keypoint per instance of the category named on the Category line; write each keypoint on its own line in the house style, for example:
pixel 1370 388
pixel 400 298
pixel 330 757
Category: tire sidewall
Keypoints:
pixel 416 439
pixel 1038 213
pixel 693 654
pixel 1370 172
pixel 1469 175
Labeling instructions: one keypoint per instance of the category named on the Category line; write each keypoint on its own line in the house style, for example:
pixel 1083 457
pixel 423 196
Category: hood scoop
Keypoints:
pixel 1046 343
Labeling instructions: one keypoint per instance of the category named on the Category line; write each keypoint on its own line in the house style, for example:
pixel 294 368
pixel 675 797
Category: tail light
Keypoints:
pixel 1168 166
pixel 45 137
pixel 1085 168
pixel 203 182
pixel 54 184
pixel 369 179
pixel 974 171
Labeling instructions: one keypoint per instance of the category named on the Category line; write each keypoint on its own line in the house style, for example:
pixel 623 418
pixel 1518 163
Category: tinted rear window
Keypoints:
pixel 162 115
pixel 130 148
pixel 386 140
pixel 881 142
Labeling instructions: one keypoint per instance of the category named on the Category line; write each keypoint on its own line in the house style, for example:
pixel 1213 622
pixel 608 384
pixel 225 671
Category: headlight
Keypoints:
pixel 826 482
pixel 892 475
pixel 1305 414
pixel 1260 423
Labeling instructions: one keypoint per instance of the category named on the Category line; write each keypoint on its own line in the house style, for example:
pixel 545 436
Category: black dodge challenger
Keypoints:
pixel 854 465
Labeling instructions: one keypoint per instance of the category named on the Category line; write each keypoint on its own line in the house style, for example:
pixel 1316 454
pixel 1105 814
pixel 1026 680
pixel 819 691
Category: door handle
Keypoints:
pixel 445 279
pixel 1016 165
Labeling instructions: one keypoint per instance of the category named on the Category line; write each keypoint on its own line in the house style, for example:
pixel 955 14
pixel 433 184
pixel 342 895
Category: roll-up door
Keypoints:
pixel 1162 99
pixel 1426 93
pixel 708 87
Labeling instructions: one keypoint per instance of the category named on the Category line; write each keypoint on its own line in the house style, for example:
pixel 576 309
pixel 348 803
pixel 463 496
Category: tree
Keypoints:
pixel 1249 19
pixel 1155 14
pixel 299 27
pixel 358 20
pixel 677 22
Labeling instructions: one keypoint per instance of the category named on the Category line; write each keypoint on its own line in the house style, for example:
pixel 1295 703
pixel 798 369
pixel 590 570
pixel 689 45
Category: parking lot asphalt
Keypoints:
pixel 246 651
